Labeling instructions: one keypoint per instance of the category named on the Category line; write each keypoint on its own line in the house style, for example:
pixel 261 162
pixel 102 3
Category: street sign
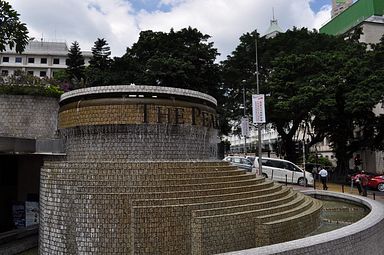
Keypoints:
pixel 258 109
pixel 244 126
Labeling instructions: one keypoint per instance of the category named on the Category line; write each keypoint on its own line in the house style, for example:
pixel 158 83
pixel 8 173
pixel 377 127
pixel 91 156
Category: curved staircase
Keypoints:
pixel 178 207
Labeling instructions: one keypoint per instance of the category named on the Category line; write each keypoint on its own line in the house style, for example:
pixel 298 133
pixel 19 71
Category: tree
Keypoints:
pixel 346 113
pixel 281 60
pixel 183 59
pixel 75 63
pixel 100 55
pixel 316 81
pixel 377 64
pixel 13 32
pixel 98 71
pixel 294 88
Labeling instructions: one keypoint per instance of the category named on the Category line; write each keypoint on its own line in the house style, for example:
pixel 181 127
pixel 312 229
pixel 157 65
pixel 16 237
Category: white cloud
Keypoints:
pixel 120 24
pixel 322 17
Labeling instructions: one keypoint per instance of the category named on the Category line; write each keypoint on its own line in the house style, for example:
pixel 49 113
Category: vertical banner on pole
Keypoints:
pixel 244 126
pixel 258 109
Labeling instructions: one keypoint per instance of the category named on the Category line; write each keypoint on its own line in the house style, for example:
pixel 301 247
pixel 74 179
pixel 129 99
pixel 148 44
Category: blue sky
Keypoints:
pixel 156 5
pixel 121 21
pixel 317 4
pixel 150 5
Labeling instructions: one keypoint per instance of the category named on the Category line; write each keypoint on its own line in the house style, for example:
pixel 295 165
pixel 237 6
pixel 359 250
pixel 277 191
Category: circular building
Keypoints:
pixel 141 177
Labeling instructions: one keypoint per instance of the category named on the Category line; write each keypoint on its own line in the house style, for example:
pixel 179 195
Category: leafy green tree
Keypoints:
pixel 100 55
pixel 325 82
pixel 345 114
pixel 294 88
pixel 75 64
pixel 13 32
pixel 183 59
pixel 297 45
pixel 98 71
pixel 377 64
pixel 312 158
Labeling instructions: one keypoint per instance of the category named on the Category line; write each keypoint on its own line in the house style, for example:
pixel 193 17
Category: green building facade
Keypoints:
pixel 357 13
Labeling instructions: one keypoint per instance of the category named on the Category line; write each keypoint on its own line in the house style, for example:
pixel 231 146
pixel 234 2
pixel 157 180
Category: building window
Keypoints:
pixel 43 60
pixel 31 60
pixel 30 72
pixel 18 60
pixel 66 61
pixel 56 61
pixel 5 59
pixel 43 73
pixel 4 72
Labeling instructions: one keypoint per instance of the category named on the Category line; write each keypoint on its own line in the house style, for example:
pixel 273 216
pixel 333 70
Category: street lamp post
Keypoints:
pixel 257 92
pixel 244 115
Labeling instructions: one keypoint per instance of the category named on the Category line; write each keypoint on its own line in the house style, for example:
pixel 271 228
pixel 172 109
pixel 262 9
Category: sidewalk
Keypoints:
pixel 372 194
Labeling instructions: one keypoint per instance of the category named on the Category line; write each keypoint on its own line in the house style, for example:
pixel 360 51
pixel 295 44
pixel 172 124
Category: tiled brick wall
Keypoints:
pixel 28 116
pixel 362 237
pixel 135 208
pixel 146 142
pixel 132 183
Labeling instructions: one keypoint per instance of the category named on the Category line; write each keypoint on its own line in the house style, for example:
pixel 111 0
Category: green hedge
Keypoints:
pixel 33 90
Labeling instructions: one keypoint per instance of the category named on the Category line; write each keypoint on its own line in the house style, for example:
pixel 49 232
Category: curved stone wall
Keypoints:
pixel 141 177
pixel 143 127
pixel 170 207
pixel 28 116
pixel 362 237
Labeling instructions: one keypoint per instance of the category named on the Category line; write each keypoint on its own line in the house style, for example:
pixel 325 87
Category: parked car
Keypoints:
pixel 240 162
pixel 376 182
pixel 283 170
pixel 352 176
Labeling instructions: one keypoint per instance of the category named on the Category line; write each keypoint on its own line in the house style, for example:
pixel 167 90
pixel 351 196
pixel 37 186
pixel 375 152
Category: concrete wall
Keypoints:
pixel 142 142
pixel 28 116
pixel 372 32
pixel 165 207
pixel 362 237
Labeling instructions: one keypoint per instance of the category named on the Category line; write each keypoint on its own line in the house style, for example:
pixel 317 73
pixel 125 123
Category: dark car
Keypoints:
pixel 240 162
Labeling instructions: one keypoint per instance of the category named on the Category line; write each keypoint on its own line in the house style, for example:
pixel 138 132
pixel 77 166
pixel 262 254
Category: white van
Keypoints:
pixel 283 170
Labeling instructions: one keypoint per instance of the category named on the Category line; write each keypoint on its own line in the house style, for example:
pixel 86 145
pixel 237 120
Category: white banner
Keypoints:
pixel 244 126
pixel 258 109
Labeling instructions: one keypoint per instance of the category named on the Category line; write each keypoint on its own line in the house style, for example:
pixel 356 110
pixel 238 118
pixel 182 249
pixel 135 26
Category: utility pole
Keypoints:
pixel 244 117
pixel 305 178
pixel 258 124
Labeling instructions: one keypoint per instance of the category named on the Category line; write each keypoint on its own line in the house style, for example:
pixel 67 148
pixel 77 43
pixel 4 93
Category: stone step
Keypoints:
pixel 210 235
pixel 292 227
pixel 170 178
pixel 146 194
pixel 265 202
pixel 138 167
pixel 277 214
pixel 225 199
pixel 158 185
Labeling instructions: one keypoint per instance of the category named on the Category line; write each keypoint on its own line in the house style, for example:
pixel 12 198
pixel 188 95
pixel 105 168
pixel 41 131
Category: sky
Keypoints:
pixel 120 21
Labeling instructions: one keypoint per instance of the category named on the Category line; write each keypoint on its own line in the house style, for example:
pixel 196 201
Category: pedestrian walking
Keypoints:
pixel 362 183
pixel 323 176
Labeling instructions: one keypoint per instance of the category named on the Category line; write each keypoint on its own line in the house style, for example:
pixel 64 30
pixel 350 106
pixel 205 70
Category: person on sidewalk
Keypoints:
pixel 323 176
pixel 362 183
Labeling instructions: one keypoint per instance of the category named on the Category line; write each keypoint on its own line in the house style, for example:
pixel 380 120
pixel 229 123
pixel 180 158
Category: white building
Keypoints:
pixel 39 58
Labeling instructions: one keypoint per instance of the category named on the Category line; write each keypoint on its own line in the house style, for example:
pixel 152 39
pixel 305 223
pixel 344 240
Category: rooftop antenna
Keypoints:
pixel 273 13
